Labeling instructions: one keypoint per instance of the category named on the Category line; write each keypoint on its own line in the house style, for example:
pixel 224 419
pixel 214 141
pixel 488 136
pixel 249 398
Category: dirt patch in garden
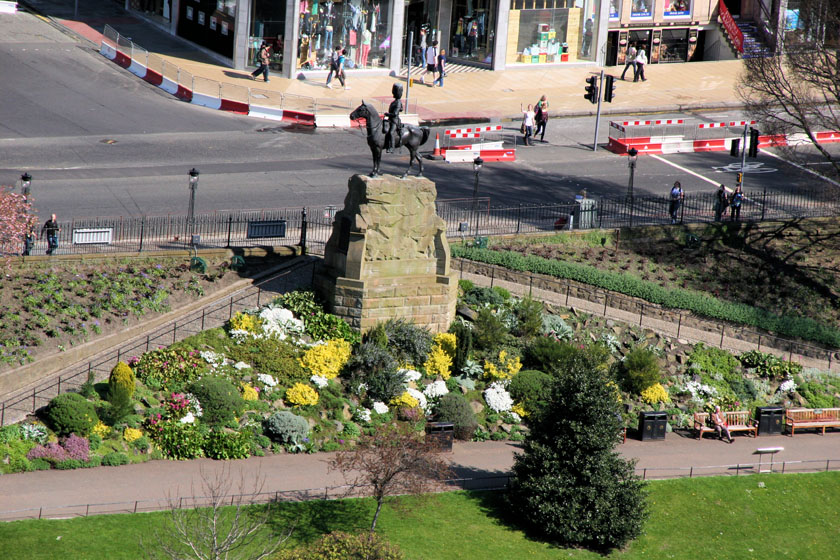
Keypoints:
pixel 51 308
pixel 790 268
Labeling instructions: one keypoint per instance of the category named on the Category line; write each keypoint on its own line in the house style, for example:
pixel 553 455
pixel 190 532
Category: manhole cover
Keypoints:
pixel 108 141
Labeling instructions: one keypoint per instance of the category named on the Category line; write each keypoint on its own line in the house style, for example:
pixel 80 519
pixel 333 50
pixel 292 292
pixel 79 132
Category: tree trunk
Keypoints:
pixel 376 515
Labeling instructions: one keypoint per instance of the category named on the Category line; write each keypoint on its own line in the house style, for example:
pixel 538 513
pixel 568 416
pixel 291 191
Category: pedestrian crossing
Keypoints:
pixel 451 68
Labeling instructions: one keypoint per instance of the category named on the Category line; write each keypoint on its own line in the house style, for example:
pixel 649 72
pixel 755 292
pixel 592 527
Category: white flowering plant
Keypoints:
pixel 380 407
pixel 787 386
pixel 213 359
pixel 362 415
pixel 280 322
pixel 435 389
pixel 421 398
pixel 319 381
pixel 410 375
pixel 267 380
pixel 497 397
pixel 239 366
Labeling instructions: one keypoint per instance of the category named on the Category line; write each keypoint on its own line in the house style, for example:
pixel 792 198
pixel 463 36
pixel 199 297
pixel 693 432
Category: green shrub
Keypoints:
pixel 480 296
pixel 71 413
pixel 13 456
pixel 546 354
pixel 178 441
pixel 816 394
pixel 285 427
pixel 346 546
pixel 227 445
pixel 317 324
pixel 555 326
pixel 39 465
pixel 352 430
pixel 219 398
pixel 639 369
pixel 528 314
pixel 489 332
pixel 141 444
pixel 498 435
pixel 10 433
pixel 277 358
pixel 408 343
pixel 121 381
pixel 463 344
pixel 675 298
pixel 769 365
pixel 530 387
pixel 169 368
pixel 69 464
pixel 377 369
pixel 453 407
pixel 115 459
pixel 716 362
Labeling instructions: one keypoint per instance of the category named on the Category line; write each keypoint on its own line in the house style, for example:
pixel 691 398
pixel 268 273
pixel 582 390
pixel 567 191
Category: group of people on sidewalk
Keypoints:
pixel 435 63
pixel 636 59
pixel 534 120
pixel 50 230
pixel 733 201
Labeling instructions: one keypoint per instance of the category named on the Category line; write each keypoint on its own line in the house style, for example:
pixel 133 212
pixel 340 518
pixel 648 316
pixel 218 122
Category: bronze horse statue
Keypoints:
pixel 412 137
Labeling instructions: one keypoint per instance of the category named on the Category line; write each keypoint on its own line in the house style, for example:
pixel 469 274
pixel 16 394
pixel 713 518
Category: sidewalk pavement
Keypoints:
pixel 467 97
pixel 160 481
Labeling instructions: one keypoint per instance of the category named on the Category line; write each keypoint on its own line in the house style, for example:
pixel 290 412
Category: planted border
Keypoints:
pixel 675 298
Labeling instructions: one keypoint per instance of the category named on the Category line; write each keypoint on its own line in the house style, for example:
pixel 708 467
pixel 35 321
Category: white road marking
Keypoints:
pixel 684 169
pixel 801 167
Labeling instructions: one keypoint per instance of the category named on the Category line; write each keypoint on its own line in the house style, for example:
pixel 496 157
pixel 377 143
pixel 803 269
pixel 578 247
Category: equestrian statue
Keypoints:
pixel 391 133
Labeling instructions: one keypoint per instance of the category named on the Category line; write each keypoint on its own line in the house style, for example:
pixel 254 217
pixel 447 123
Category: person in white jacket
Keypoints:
pixel 641 61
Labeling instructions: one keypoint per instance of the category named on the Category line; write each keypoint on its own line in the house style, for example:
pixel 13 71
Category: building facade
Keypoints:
pixel 386 35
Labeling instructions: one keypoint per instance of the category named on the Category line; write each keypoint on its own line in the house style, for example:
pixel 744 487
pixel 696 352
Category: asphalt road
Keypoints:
pixel 100 142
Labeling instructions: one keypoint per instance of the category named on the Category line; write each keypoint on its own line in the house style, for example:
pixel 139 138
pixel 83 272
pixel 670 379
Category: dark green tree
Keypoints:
pixel 570 486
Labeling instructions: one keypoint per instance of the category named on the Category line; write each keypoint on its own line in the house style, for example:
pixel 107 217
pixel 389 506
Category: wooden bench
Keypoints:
pixel 738 421
pixel 812 418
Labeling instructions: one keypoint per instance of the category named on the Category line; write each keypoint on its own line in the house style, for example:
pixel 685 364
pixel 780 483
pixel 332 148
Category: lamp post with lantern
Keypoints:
pixel 632 155
pixel 194 173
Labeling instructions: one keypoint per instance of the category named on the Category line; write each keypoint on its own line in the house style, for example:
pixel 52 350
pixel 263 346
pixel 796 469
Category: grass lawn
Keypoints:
pixel 762 516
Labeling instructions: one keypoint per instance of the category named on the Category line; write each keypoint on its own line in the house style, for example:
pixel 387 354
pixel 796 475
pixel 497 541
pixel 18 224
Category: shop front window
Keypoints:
pixel 677 9
pixel 421 25
pixel 674 45
pixel 641 9
pixel 473 28
pixel 362 27
pixel 209 23
pixel 268 23
pixel 556 31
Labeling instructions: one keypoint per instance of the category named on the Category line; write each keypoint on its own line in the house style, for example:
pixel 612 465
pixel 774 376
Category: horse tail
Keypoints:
pixel 426 132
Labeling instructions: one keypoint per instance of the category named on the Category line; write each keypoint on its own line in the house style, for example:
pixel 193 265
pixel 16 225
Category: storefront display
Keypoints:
pixel 360 26
pixel 677 9
pixel 268 23
pixel 209 24
pixel 641 9
pixel 615 10
pixel 473 29
pixel 550 35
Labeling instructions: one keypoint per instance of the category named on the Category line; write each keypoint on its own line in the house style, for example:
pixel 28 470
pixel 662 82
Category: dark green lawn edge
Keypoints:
pixel 674 298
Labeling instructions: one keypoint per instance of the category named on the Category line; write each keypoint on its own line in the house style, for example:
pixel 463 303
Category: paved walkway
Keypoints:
pixel 153 485
pixel 477 96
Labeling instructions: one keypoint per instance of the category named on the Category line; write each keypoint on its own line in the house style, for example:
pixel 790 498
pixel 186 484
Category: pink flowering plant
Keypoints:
pixel 15 219
pixel 169 368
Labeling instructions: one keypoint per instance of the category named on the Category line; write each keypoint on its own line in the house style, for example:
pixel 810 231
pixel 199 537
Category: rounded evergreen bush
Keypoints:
pixel 377 369
pixel 71 413
pixel 285 427
pixel 115 459
pixel 345 546
pixel 408 343
pixel 121 380
pixel 639 369
pixel 489 332
pixel 219 398
pixel 530 387
pixel 546 354
pixel 453 407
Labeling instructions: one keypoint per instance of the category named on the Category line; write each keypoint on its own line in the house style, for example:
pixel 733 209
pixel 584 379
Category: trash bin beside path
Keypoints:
pixel 441 435
pixel 652 425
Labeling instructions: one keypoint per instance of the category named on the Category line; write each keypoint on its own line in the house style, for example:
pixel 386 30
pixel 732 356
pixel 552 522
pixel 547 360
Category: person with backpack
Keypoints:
pixel 735 204
pixel 333 65
pixel 677 196
pixel 263 59
pixel 431 62
pixel 721 202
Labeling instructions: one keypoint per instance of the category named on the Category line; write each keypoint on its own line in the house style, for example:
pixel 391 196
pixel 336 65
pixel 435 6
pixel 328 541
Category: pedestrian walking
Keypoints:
pixel 735 204
pixel 677 196
pixel 29 239
pixel 263 59
pixel 630 60
pixel 430 55
pixel 527 123
pixel 721 202
pixel 641 61
pixel 441 67
pixel 541 117
pixel 51 230
pixel 333 65
pixel 342 59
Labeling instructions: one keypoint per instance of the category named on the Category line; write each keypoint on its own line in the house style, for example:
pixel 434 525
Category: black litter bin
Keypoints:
pixel 769 419
pixel 652 424
pixel 440 434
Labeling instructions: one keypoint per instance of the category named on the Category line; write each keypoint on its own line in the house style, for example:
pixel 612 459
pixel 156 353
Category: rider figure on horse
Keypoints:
pixel 392 135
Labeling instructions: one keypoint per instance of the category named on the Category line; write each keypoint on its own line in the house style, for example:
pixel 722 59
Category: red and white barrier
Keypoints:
pixel 466 153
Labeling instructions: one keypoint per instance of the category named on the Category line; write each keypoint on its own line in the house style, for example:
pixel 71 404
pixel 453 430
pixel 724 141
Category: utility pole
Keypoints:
pixel 593 97
pixel 743 156
pixel 408 72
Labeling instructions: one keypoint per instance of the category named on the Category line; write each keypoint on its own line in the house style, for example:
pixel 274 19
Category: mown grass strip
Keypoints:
pixel 676 298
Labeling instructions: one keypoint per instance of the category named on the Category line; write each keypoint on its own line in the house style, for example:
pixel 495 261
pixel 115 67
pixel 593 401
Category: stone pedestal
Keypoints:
pixel 388 256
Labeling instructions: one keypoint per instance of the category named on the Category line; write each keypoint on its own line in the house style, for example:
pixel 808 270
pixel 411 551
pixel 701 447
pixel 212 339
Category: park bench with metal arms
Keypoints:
pixel 820 418
pixel 737 421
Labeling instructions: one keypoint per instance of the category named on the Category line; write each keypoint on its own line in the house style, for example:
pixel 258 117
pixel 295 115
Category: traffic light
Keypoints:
pixel 735 148
pixel 753 149
pixel 609 88
pixel 592 90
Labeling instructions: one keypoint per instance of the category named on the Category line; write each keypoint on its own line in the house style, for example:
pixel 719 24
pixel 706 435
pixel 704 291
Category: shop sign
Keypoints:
pixel 641 9
pixel 190 13
pixel 731 27
pixel 677 9
pixel 201 17
pixel 213 23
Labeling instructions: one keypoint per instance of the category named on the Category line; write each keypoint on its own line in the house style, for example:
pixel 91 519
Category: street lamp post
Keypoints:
pixel 25 183
pixel 632 154
pixel 28 236
pixel 477 163
pixel 194 173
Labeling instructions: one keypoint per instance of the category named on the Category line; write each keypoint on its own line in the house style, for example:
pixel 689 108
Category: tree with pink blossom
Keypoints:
pixel 15 220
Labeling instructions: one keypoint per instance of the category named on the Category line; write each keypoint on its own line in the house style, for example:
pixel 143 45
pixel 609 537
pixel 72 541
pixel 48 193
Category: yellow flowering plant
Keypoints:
pixel 505 367
pixel 656 393
pixel 447 342
pixel 132 434
pixel 101 429
pixel 249 393
pixel 520 410
pixel 246 322
pixel 614 386
pixel 439 363
pixel 326 360
pixel 301 395
pixel 405 400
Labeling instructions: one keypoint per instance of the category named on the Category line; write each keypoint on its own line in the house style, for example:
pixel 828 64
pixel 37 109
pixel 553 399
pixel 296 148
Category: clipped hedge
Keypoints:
pixel 675 298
